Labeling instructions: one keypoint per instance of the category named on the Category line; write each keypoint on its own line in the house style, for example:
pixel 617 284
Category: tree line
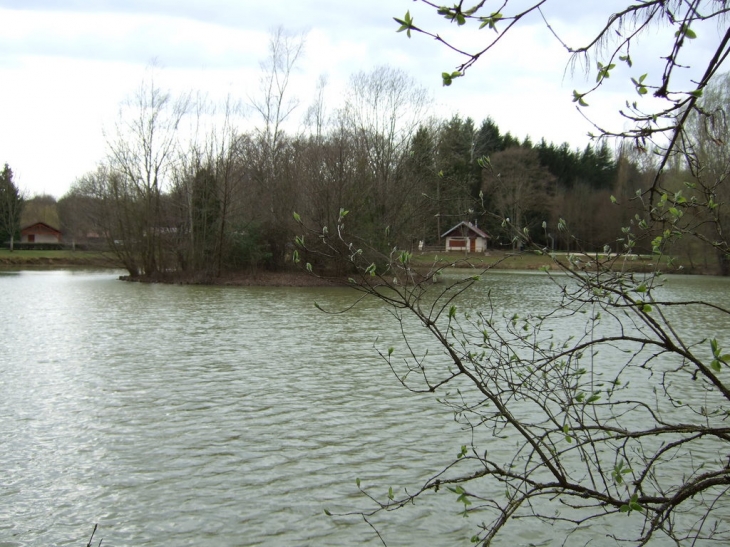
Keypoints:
pixel 184 190
pixel 203 203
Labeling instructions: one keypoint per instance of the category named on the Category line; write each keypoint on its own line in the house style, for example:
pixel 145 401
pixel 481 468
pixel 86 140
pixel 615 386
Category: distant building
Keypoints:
pixel 466 237
pixel 40 232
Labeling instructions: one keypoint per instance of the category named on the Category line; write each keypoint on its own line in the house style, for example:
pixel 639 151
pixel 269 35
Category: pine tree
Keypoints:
pixel 11 205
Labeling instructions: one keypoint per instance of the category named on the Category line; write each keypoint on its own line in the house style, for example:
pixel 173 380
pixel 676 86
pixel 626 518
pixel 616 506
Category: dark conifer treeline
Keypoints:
pixel 530 184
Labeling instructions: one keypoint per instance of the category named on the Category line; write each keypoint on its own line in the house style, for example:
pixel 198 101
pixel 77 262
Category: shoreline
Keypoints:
pixel 59 259
pixel 421 263
pixel 246 279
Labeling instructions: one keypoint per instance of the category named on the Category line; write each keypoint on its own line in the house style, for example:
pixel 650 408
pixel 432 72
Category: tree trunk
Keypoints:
pixel 723 260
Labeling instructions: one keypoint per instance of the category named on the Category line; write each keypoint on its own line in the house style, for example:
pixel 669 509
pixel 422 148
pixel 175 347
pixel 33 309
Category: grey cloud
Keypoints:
pixel 234 13
pixel 139 46
pixel 355 20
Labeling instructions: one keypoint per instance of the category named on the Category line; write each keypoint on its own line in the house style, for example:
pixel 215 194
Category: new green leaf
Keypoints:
pixel 405 24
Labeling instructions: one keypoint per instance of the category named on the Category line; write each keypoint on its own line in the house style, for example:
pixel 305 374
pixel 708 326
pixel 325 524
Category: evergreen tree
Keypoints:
pixel 420 166
pixel 11 206
pixel 205 216
pixel 508 141
pixel 597 167
pixel 456 185
pixel 487 140
pixel 606 167
pixel 561 161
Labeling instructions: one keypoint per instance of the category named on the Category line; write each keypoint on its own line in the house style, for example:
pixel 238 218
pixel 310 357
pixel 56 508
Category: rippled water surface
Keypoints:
pixel 200 416
pixel 214 416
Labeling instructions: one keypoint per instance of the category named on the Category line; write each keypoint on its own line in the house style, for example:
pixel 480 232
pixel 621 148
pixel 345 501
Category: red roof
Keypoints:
pixel 40 228
pixel 469 228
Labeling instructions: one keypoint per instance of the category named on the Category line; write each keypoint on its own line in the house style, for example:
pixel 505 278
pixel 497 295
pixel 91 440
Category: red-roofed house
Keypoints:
pixel 466 237
pixel 40 232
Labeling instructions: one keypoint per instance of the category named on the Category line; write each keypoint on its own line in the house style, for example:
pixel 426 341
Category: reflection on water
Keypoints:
pixel 214 416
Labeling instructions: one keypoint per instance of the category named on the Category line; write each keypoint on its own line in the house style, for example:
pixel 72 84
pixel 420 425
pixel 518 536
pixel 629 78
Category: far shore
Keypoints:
pixel 257 278
pixel 422 262
pixel 60 259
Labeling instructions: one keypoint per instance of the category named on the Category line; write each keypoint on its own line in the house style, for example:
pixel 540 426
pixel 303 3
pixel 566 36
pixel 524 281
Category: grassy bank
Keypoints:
pixel 56 259
pixel 423 261
pixel 502 260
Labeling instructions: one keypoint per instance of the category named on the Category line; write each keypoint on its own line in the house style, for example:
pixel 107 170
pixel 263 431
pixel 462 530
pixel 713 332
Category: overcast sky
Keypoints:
pixel 65 66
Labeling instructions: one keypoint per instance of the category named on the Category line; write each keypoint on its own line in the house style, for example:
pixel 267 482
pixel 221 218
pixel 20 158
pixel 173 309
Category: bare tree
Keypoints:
pixel 142 149
pixel 383 110
pixel 111 210
pixel 77 217
pixel 207 177
pixel 706 145
pixel 517 186
pixel 41 208
pixel 385 107
pixel 316 117
pixel 275 104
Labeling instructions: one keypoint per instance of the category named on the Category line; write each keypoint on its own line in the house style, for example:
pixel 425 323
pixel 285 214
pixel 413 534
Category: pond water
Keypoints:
pixel 187 415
